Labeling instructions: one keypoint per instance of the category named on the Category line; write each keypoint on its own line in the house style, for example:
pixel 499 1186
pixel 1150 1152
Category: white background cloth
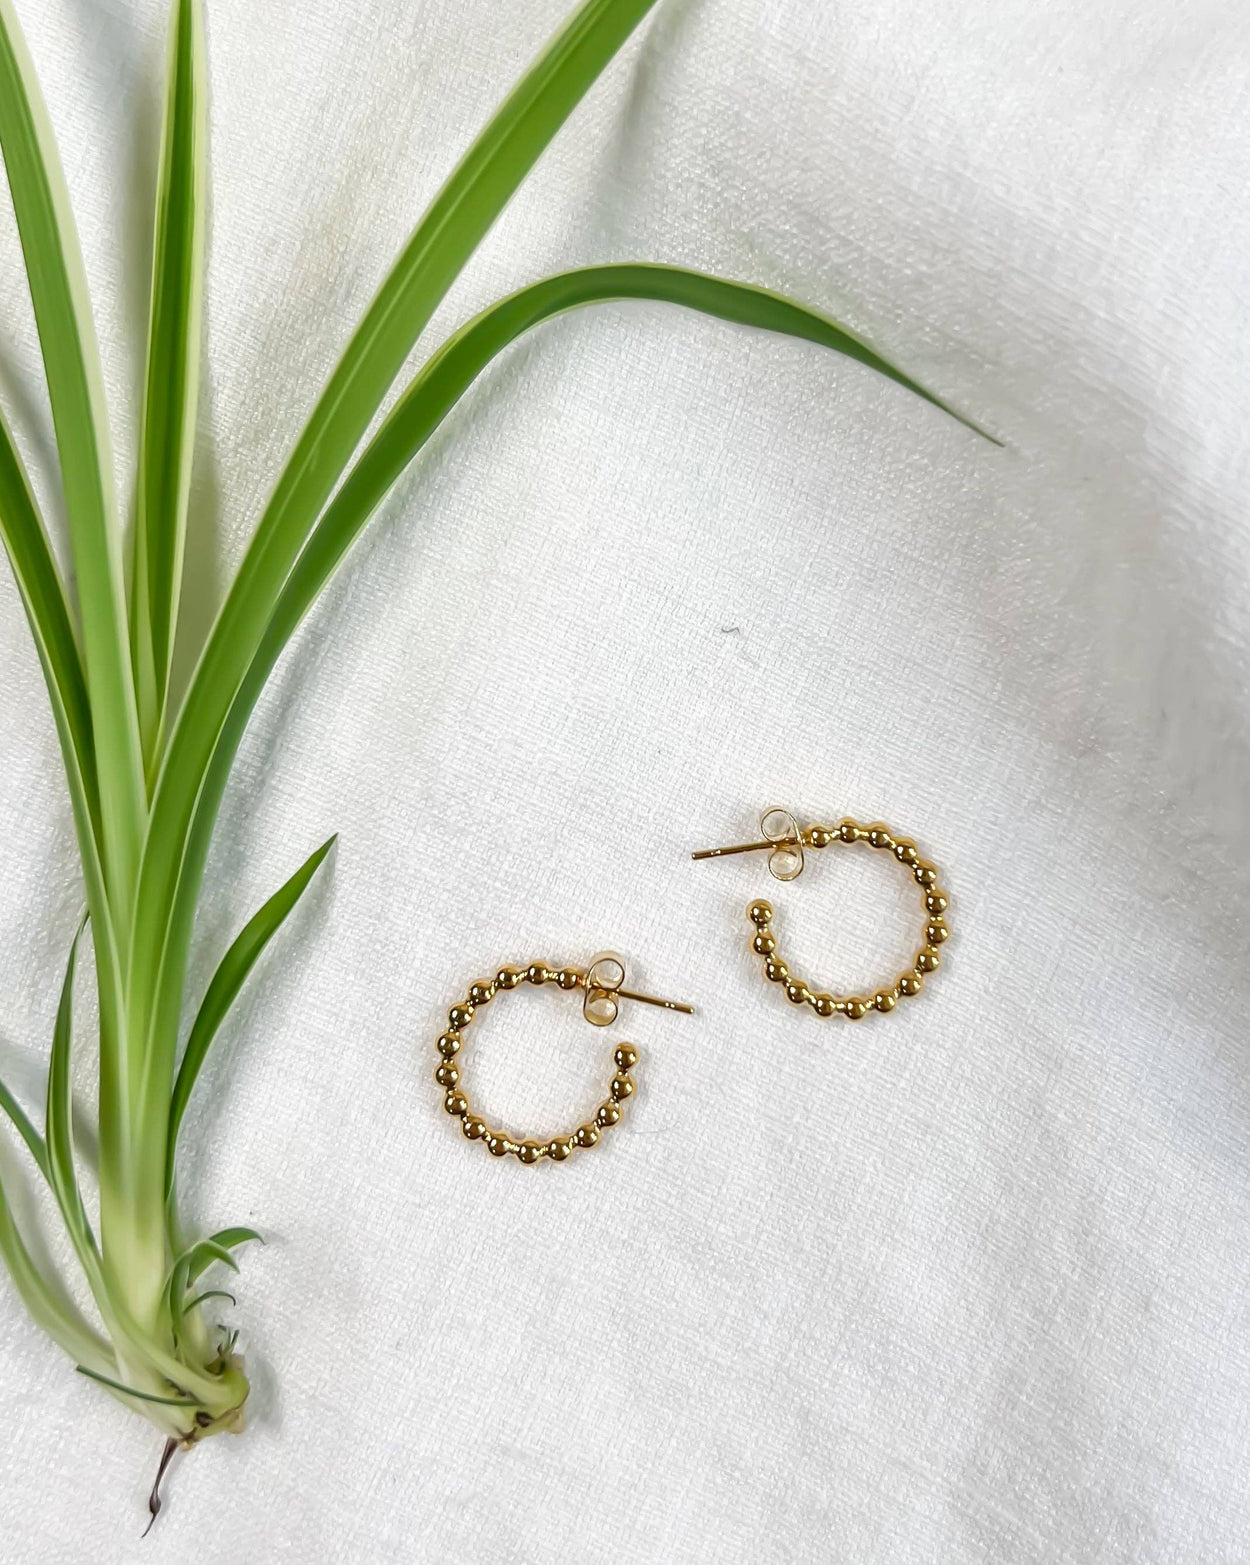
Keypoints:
pixel 968 1283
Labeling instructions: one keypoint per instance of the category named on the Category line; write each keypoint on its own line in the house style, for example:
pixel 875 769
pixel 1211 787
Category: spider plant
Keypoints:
pixel 146 775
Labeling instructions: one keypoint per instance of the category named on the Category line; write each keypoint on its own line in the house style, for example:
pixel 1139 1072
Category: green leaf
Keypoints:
pixel 44 1301
pixel 129 1391
pixel 201 1254
pixel 448 374
pixel 59 1132
pixel 28 1133
pixel 212 1293
pixel 226 983
pixel 58 1135
pixel 58 290
pixel 167 437
pixel 447 235
pixel 43 597
pixel 450 371
pixel 94 711
pixel 196 1260
pixel 218 1246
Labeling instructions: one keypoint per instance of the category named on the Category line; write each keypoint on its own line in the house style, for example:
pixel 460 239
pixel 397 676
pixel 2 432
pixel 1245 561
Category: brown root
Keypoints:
pixel 154 1499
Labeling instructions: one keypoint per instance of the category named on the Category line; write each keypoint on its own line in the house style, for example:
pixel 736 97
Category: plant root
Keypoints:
pixel 154 1499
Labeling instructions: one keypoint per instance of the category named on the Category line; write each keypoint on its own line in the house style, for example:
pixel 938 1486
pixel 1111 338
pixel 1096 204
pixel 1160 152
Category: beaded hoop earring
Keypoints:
pixel 601 983
pixel 786 841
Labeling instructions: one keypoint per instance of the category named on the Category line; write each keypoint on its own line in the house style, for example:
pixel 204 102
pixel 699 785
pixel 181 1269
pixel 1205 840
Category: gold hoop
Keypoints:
pixel 785 841
pixel 602 983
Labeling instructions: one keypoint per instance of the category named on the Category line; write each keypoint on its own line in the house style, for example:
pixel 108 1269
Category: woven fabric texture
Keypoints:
pixel 963 1284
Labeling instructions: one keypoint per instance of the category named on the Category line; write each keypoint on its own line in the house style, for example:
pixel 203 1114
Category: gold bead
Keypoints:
pixel 823 1004
pixel 560 1148
pixel 482 992
pixel 928 959
pixel 855 1008
pixel 497 1145
pixel 885 999
pixel 797 992
pixel 878 835
pixel 910 983
pixel 448 1044
pixel 568 978
pixel 456 1103
pixel 621 1088
pixel 776 970
pixel 626 1057
pixel 936 932
pixel 585 1135
pixel 764 943
pixel 906 851
pixel 473 1127
pixel 760 913
pixel 848 829
pixel 820 836
pixel 537 973
pixel 459 1017
pixel 447 1074
pixel 926 874
pixel 936 901
pixel 531 1151
pixel 508 977
pixel 607 1114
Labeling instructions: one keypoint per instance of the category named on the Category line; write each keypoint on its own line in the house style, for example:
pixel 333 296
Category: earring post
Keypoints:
pixel 741 847
pixel 650 999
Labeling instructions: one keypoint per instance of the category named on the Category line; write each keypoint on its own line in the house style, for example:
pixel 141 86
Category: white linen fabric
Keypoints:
pixel 967 1283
